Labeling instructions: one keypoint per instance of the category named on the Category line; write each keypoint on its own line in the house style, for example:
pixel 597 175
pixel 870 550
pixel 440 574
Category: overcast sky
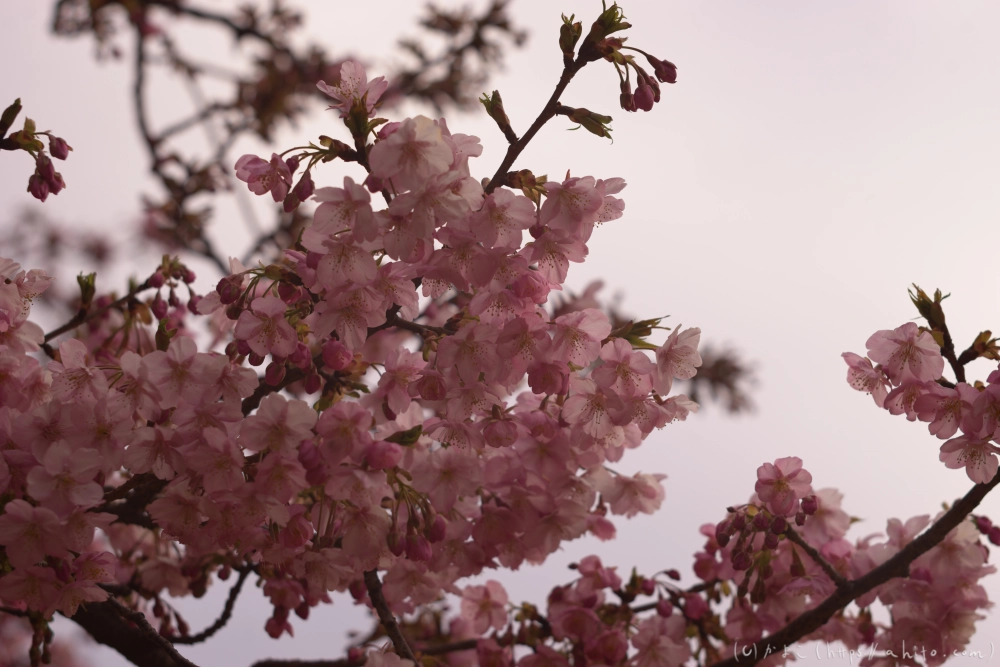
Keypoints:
pixel 813 160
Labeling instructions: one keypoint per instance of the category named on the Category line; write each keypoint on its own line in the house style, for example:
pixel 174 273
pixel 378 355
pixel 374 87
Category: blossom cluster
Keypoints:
pixel 438 416
pixel 906 380
pixel 782 567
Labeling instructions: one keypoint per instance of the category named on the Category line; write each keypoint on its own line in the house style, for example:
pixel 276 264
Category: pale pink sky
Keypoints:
pixel 813 161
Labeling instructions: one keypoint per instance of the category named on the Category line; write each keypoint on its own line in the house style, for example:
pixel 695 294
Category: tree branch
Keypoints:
pixel 374 586
pixel 548 111
pixel 227 613
pixel 897 566
pixel 84 316
pixel 816 557
pixel 128 632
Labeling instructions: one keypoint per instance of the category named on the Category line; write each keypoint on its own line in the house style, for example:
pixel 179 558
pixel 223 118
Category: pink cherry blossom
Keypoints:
pixel 578 336
pixel 863 377
pixel 976 454
pixel 279 425
pixel 782 484
pixel 412 154
pixel 624 371
pixel 354 88
pixel 906 353
pixel 29 533
pixel 485 606
pixel 677 358
pixel 262 176
pixel 265 328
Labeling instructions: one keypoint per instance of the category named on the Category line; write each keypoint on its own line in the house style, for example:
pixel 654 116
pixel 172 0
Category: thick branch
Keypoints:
pixel 548 111
pixel 897 566
pixel 129 633
pixel 227 613
pixel 374 586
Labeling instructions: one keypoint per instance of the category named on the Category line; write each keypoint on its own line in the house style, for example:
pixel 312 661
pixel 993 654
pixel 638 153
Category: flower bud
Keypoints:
pixel 395 543
pixel 418 548
pixel 810 504
pixel 302 611
pixel 995 535
pixel 800 518
pixel 192 304
pixel 336 356
pixel 673 574
pixel 739 522
pixel 305 187
pixel 740 560
pixel 38 187
pixel 664 608
pixel 156 280
pixel 648 586
pixel 374 183
pixel 437 530
pixel 230 289
pixel 292 163
pixel 664 70
pixel 159 307
pixel 274 373
pixel 312 383
pixel 771 541
pixel 761 522
pixel 255 359
pixel 984 524
pixel 242 347
pixel 644 97
pixel 778 525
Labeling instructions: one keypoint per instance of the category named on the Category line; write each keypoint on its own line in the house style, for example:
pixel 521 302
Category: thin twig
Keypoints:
pixel 817 558
pixel 374 586
pixel 227 613
pixel 84 316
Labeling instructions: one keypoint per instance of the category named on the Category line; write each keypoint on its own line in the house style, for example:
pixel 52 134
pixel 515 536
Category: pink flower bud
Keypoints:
pixel 740 560
pixel 159 307
pixel 288 292
pixel 644 97
pixel 305 187
pixel 778 525
pixel 59 148
pixel 694 606
pixel 395 542
pixel 983 524
pixel 298 531
pixel 800 518
pixel 418 548
pixel 437 530
pixel 312 383
pixel 255 359
pixel 383 454
pixel 771 541
pixel 301 357
pixel 156 280
pixel 292 163
pixel 358 590
pixel 648 587
pixel 230 289
pixel 374 183
pixel 242 348
pixel 673 574
pixel 627 100
pixel 302 611
pixel 761 522
pixel 739 522
pixel 995 535
pixel 664 608
pixel 38 187
pixel 274 373
pixel 189 276
pixel 192 304
pixel 810 504
pixel 665 70
pixel 336 356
